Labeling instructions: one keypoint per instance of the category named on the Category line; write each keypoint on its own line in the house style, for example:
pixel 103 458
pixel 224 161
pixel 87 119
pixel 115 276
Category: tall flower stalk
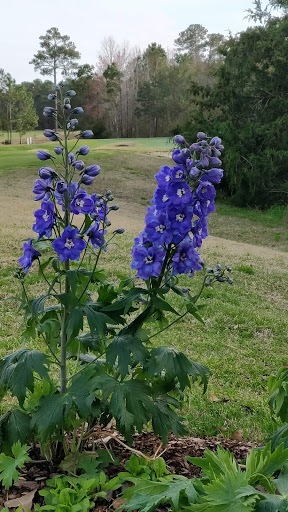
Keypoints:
pixel 83 316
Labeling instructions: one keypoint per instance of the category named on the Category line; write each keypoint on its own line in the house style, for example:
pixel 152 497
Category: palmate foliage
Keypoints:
pixel 99 362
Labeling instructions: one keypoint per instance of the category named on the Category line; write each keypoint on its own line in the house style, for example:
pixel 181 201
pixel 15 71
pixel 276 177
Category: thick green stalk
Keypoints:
pixel 63 356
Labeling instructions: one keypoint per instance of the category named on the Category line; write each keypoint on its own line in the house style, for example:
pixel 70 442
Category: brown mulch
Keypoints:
pixel 174 452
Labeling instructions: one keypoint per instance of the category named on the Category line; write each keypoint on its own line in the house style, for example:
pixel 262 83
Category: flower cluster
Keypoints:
pixel 176 223
pixel 62 186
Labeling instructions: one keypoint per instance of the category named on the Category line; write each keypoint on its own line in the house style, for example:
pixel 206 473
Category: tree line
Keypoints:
pixel 233 86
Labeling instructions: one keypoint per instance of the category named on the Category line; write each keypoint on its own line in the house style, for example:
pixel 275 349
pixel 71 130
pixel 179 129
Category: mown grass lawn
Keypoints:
pixel 244 338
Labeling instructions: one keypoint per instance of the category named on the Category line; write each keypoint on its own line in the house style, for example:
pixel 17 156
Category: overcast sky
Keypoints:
pixel 88 22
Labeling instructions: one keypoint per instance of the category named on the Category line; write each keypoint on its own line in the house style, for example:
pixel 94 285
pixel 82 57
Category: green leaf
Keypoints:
pixel 37 305
pixel 97 321
pixel 90 341
pixel 165 419
pixel 87 224
pixel 282 482
pixel 128 402
pixel 177 366
pixel 74 323
pixel 146 496
pixel 16 371
pixel 51 413
pixel 121 348
pixel 8 465
pixel 125 303
pixel 193 310
pixel 264 463
pixel 14 426
pixel 163 305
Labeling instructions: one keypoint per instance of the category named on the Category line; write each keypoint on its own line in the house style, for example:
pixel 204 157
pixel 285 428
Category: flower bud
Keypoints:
pixel 61 186
pixel 71 93
pixel 46 172
pixel 55 87
pixel 201 135
pixel 58 150
pixel 114 207
pixel 83 150
pixel 195 146
pixel 86 134
pixel 92 170
pixel 43 155
pixel 119 231
pixel 87 180
pixel 72 124
pixel 49 111
pixel 194 172
pixel 179 139
pixel 71 158
pixel 52 97
pixel 78 110
pixel 67 106
pixel 79 165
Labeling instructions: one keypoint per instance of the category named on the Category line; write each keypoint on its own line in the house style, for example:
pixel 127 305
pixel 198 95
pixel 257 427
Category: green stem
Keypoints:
pixel 63 354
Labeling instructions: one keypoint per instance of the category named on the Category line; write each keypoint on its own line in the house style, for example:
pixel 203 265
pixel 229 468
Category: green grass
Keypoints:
pixel 244 338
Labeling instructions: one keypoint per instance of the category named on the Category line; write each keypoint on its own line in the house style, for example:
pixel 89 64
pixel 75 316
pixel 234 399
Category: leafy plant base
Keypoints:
pixel 174 453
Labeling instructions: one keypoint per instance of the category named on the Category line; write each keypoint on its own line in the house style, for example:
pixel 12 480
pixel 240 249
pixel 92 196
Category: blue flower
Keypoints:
pixel 71 191
pixel 164 176
pixel 161 199
pixel 83 150
pixel 187 259
pixel 214 175
pixel 82 203
pixel 43 155
pixel 180 155
pixel 179 193
pixel 157 228
pixel 147 261
pixel 205 191
pixel 180 219
pixel 42 189
pixel 69 246
pixel 61 186
pixel 44 219
pixel 30 254
pixel 96 236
